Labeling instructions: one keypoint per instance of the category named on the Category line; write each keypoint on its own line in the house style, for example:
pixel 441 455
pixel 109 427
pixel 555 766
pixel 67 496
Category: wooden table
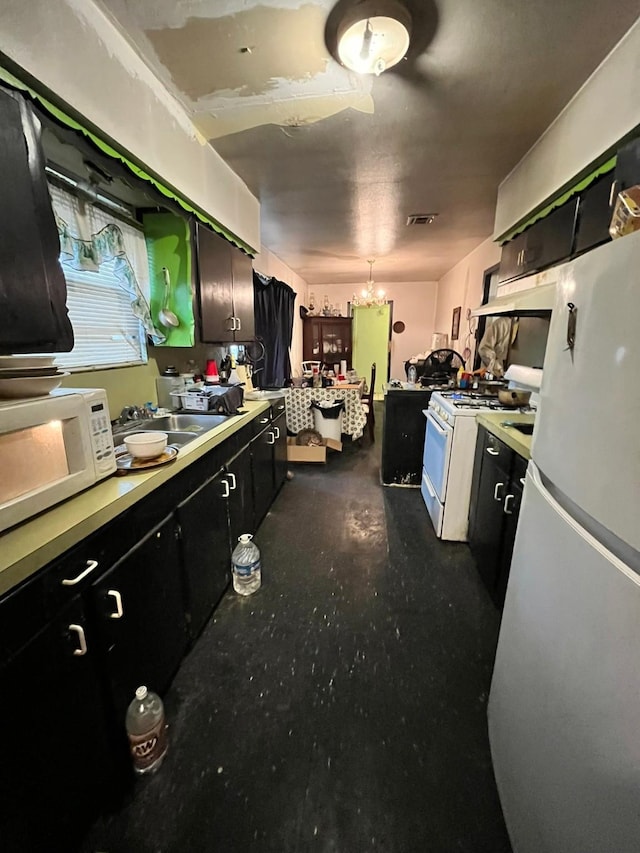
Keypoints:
pixel 300 415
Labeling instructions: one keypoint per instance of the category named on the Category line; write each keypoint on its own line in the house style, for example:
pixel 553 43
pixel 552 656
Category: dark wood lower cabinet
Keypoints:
pixel 496 494
pixel 57 761
pixel 140 616
pixel 204 542
pixel 116 611
pixel 403 436
pixel 240 500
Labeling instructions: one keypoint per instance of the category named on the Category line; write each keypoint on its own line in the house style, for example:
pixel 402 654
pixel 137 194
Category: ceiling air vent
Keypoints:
pixel 421 218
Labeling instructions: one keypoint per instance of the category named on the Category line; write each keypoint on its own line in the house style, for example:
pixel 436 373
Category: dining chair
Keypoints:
pixel 367 403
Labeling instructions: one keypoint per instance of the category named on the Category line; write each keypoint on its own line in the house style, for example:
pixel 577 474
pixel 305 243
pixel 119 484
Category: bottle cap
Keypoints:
pixel 141 693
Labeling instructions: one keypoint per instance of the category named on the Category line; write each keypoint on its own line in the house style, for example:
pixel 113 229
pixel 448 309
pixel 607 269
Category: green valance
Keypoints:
pixel 59 114
pixel 582 184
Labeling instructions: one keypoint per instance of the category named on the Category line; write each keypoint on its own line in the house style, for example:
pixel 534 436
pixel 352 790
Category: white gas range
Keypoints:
pixel 447 461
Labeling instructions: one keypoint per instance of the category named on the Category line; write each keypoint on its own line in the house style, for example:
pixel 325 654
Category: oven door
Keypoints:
pixel 437 451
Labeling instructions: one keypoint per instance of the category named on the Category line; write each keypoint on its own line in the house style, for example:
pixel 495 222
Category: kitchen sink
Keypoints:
pixel 527 429
pixel 180 428
pixel 196 424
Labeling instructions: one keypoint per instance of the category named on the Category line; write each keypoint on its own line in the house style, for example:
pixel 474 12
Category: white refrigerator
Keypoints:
pixel 564 708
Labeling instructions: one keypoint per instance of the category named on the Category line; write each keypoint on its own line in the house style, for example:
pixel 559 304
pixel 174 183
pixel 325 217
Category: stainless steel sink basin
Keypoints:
pixel 196 424
pixel 180 428
pixel 527 429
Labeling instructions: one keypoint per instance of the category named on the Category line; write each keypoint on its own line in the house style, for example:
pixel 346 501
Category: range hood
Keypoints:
pixel 532 296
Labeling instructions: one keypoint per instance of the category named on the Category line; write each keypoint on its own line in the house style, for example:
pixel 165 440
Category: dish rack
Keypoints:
pixel 196 400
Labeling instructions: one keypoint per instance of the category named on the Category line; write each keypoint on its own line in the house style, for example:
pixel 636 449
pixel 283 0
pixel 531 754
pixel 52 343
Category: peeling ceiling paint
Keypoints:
pixel 339 161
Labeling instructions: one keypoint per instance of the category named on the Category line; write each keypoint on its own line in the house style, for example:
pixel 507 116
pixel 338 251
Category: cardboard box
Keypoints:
pixel 311 452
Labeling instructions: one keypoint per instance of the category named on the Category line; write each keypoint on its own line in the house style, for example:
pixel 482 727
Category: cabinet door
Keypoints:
pixel 627 173
pixel 551 239
pixel 311 339
pixel 511 264
pixel 243 310
pixel 240 500
pixel 280 450
pixel 511 509
pixel 204 542
pixel 262 448
pixel 486 532
pixel 594 214
pixel 215 287
pixel 139 611
pixel 33 292
pixel 56 755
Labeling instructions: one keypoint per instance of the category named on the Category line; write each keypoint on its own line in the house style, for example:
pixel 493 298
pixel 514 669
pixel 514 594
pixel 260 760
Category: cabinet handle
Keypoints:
pixel 496 496
pixel 277 429
pixel 280 407
pixel 233 481
pixel 239 326
pixel 263 421
pixel 82 640
pixel 522 480
pixel 118 599
pixel 91 565
pixel 493 452
pixel 232 322
pixel 506 509
pixel 273 438
pixel 613 192
pixel 226 494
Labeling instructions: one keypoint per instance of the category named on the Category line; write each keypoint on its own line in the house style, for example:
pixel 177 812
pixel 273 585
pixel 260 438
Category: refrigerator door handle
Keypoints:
pixel 571 326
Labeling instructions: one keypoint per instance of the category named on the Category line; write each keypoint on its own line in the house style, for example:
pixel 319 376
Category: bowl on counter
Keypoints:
pixel 146 445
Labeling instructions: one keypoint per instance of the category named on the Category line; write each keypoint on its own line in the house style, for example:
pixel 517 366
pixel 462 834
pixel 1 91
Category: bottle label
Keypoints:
pixel 246 571
pixel 148 747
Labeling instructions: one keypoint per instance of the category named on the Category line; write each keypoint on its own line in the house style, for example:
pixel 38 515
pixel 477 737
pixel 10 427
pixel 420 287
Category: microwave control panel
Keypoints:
pixel 101 438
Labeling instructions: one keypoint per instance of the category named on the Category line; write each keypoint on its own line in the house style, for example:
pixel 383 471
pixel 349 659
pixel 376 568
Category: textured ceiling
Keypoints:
pixel 339 161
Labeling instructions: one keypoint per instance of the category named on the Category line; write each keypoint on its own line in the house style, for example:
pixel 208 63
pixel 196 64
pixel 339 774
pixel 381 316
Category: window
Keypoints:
pixel 104 260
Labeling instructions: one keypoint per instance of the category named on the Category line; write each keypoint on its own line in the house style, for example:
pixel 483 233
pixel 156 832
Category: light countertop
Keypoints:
pixel 31 545
pixel 513 438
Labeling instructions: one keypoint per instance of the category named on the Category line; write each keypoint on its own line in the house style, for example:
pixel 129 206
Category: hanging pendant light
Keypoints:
pixel 369 295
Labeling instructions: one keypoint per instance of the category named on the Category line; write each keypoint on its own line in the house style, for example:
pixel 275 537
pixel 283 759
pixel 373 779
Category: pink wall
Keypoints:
pixel 462 285
pixel 414 303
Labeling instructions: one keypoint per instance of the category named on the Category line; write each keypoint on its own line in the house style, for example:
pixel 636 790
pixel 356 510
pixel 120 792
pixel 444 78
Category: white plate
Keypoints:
pixel 30 386
pixel 17 362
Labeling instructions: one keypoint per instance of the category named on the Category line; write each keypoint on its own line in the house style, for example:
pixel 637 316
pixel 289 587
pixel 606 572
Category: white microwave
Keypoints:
pixel 51 448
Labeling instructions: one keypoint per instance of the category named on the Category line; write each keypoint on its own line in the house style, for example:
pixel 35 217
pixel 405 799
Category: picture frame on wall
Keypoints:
pixel 455 323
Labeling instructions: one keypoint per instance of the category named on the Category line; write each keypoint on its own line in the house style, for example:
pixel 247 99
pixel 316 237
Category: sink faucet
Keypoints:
pixel 132 413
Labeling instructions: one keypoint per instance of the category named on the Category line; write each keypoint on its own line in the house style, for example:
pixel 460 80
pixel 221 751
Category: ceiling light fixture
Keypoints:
pixel 373 36
pixel 369 296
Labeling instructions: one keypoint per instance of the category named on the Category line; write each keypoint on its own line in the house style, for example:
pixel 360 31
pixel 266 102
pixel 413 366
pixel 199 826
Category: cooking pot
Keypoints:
pixel 512 397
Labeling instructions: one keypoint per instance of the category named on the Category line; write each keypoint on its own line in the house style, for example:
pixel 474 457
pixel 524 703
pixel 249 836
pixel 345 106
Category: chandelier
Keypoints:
pixel 369 295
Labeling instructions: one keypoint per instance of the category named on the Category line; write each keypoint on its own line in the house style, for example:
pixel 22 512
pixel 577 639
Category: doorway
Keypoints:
pixel 371 342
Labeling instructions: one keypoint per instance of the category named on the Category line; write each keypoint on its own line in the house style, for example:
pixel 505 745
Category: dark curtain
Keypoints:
pixel 274 301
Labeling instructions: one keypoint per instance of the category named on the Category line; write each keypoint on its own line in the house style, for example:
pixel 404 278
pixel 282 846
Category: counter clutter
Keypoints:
pixel 30 546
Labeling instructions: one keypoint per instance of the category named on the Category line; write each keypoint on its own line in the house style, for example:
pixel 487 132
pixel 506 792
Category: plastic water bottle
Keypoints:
pixel 147 731
pixel 245 564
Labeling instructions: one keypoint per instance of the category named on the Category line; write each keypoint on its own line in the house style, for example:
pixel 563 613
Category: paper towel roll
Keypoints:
pixel 529 378
pixel 343 367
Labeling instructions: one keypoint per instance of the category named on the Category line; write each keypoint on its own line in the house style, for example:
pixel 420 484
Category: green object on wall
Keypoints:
pixel 169 246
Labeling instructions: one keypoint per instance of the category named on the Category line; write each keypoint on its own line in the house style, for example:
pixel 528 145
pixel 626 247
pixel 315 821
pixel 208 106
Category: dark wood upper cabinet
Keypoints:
pixel 627 173
pixel 33 292
pixel 225 277
pixel 594 214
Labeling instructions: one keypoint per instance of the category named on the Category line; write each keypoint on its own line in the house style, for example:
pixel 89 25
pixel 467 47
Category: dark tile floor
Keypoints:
pixel 342 708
